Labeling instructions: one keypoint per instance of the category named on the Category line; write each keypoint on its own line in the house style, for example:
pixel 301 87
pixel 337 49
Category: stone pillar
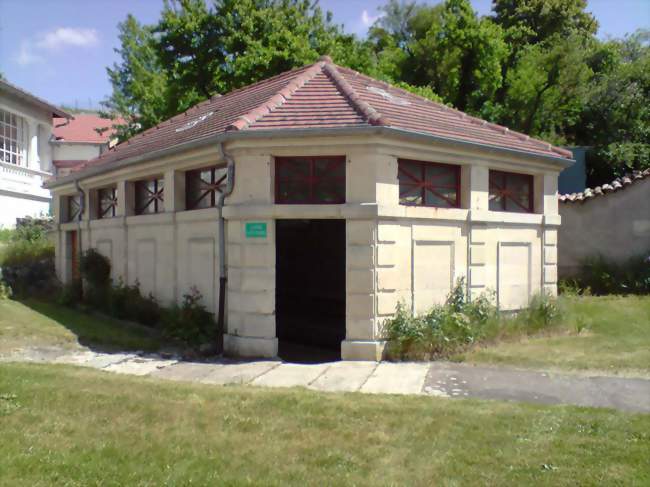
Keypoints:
pixel 250 330
pixel 547 202
pixel 250 258
pixel 362 340
pixel 174 191
pixel 479 191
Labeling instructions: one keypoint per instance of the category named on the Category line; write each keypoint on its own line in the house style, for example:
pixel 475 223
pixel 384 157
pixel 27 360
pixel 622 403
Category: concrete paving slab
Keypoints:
pixel 397 378
pixel 186 371
pixel 76 358
pixel 102 360
pixel 291 375
pixel 139 366
pixel 238 373
pixel 511 384
pixel 344 376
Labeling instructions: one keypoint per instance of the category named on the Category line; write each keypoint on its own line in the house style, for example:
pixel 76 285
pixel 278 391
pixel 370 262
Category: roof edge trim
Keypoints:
pixel 558 161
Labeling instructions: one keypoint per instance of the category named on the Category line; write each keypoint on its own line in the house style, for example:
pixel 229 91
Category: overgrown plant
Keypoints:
pixel 599 275
pixel 190 322
pixel 460 323
pixel 27 259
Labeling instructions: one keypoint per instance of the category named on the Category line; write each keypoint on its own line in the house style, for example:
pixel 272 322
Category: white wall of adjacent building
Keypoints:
pixel 25 160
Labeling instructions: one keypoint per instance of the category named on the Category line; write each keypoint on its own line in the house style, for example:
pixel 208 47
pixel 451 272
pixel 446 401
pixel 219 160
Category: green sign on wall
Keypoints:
pixel 255 229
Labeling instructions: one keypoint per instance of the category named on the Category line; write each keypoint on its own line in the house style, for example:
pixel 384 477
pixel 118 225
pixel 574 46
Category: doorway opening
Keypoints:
pixel 310 289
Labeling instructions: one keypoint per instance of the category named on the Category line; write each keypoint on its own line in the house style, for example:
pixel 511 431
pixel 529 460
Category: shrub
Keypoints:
pixel 95 268
pixel 599 276
pixel 190 322
pixel 127 303
pixel 70 293
pixel 458 324
pixel 28 266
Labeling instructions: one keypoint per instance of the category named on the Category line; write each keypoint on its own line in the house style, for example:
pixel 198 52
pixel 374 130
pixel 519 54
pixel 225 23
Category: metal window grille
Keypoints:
pixel 73 207
pixel 511 192
pixel 428 184
pixel 203 186
pixel 149 196
pixel 107 198
pixel 310 180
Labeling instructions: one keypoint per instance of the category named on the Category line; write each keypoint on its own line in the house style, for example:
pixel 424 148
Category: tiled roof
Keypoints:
pixel 322 95
pixel 616 185
pixel 83 129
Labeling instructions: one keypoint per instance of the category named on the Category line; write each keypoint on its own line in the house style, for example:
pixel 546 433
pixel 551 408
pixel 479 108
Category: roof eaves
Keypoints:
pixel 25 95
pixel 89 171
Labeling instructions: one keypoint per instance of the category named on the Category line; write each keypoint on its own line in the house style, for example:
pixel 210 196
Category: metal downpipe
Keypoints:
pixel 223 276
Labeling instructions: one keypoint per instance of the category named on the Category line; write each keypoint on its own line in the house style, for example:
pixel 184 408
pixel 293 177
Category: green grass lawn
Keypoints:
pixel 63 425
pixel 616 339
pixel 33 323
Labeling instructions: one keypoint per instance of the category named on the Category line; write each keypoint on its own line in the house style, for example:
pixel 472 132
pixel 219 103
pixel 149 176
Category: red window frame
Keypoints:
pixel 315 183
pixel 153 199
pixel 108 196
pixel 208 189
pixel 501 188
pixel 419 180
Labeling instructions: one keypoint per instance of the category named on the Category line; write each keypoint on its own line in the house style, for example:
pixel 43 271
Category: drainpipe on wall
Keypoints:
pixel 82 209
pixel 230 184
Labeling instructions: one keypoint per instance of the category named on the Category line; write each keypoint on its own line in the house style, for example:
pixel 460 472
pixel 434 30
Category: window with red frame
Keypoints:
pixel 203 187
pixel 310 180
pixel 428 184
pixel 149 196
pixel 511 192
pixel 106 202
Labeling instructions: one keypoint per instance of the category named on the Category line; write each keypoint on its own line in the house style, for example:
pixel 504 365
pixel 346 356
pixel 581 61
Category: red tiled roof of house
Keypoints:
pixel 322 95
pixel 84 128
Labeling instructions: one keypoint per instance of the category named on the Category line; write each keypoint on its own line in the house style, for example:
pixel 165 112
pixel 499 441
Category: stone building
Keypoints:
pixel 341 196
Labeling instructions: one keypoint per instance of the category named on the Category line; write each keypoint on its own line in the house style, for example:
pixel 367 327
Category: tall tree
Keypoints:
pixel 459 55
pixel 138 80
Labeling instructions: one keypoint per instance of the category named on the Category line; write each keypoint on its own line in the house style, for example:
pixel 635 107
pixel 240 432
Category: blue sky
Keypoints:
pixel 59 49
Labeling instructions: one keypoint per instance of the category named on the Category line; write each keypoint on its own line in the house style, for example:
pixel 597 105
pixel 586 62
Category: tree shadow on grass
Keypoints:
pixel 97 332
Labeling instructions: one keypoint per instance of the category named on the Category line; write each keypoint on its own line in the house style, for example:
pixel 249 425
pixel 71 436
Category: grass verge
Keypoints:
pixel 604 333
pixel 33 323
pixel 63 425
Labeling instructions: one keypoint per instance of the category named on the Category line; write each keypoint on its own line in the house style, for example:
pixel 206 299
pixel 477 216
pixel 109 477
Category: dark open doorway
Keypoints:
pixel 310 289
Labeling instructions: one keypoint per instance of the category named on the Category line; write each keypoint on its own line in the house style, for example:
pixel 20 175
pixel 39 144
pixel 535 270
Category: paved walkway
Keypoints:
pixel 441 379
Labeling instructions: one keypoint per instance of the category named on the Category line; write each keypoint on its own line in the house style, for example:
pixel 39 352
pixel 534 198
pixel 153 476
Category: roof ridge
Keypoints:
pixel 277 100
pixel 617 184
pixel 364 108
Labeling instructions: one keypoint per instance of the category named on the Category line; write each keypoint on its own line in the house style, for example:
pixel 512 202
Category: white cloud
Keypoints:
pixel 26 55
pixel 367 20
pixel 68 36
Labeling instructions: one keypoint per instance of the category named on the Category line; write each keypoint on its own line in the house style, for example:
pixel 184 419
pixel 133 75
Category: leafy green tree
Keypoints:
pixel 616 117
pixel 458 56
pixel 547 89
pixel 138 80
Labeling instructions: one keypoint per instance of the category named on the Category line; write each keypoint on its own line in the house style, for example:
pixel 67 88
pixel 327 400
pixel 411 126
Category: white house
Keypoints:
pixel 25 153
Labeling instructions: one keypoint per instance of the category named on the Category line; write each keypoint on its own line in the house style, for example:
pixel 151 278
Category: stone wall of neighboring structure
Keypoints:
pixel 612 220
